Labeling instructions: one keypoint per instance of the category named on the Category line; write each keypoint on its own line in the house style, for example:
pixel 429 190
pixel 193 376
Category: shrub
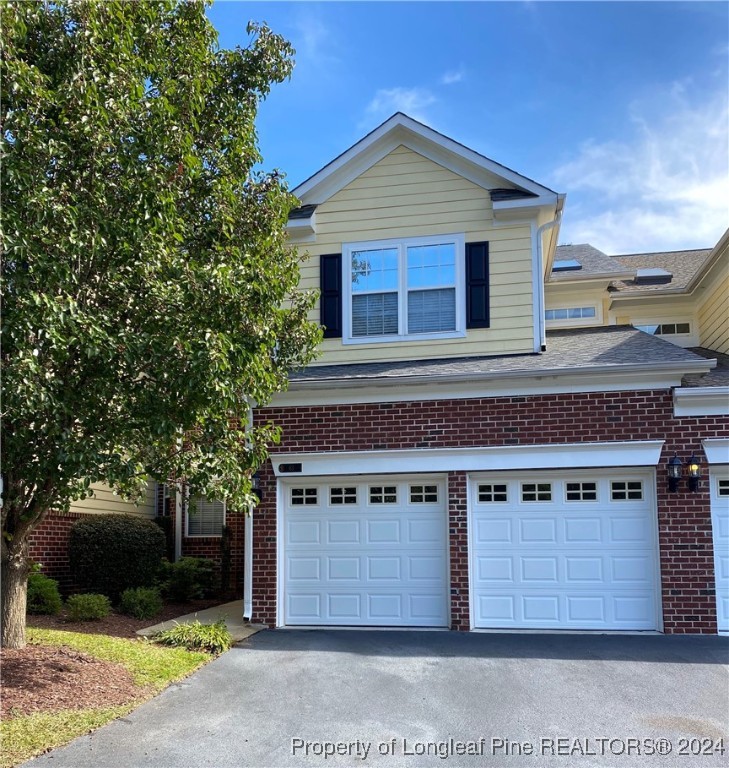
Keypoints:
pixel 141 602
pixel 211 638
pixel 111 553
pixel 43 594
pixel 87 607
pixel 190 578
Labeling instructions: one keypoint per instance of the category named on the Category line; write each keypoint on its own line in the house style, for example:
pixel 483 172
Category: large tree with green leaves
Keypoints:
pixel 148 292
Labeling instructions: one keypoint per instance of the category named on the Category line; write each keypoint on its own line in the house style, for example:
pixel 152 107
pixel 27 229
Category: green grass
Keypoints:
pixel 152 667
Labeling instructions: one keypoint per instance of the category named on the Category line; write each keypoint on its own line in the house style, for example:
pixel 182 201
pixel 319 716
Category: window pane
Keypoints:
pixel 205 518
pixel 652 329
pixel 374 314
pixel 683 328
pixel 431 265
pixel 374 270
pixel 430 311
pixel 588 311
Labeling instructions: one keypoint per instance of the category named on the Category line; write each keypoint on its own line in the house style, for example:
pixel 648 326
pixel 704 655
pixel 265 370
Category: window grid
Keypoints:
pixel 423 494
pixel 346 495
pixel 304 496
pixel 722 487
pixel 536 491
pixel 626 490
pixel 582 491
pixel 488 492
pixel 383 494
pixel 570 313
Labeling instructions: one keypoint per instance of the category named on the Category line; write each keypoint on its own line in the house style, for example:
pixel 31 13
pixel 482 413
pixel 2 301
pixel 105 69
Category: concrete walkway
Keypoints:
pixel 238 627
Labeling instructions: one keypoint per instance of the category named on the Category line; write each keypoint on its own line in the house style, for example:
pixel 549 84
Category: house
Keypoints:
pixel 486 438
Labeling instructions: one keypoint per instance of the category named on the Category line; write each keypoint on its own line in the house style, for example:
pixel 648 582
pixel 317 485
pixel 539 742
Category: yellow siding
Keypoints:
pixel 714 319
pixel 105 501
pixel 407 195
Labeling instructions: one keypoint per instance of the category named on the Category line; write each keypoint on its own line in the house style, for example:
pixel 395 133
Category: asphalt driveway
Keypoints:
pixel 336 698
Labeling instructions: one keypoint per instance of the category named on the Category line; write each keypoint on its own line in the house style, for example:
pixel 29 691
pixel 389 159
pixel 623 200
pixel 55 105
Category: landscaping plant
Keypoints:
pixel 190 578
pixel 43 594
pixel 88 607
pixel 211 638
pixel 142 602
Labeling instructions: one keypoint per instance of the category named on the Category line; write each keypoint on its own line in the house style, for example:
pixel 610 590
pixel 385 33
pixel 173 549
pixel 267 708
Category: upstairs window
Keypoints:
pixel 665 329
pixel 405 289
pixel 568 316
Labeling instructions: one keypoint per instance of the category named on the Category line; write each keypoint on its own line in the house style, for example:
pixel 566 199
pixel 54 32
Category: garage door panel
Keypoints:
pixel 719 488
pixel 572 564
pixel 378 564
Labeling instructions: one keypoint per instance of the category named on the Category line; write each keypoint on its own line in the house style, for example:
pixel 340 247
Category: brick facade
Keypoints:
pixel 684 519
pixel 49 547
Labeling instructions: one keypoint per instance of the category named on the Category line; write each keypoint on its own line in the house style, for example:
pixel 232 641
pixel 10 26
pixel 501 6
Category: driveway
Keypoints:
pixel 393 698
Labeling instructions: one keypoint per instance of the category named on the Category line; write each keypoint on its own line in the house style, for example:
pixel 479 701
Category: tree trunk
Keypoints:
pixel 14 593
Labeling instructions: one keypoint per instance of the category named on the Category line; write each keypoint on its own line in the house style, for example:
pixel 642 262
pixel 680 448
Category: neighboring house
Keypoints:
pixel 484 442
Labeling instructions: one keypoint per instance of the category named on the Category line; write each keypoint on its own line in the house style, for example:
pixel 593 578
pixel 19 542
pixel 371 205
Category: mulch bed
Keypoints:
pixel 117 624
pixel 45 678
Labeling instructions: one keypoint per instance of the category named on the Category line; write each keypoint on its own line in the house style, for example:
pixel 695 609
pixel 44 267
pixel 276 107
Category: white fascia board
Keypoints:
pixel 582 278
pixel 523 203
pixel 716 450
pixel 641 453
pixel 400 129
pixel 333 393
pixel 701 401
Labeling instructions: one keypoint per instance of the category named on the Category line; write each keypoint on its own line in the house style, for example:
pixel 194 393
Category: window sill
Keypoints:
pixel 390 339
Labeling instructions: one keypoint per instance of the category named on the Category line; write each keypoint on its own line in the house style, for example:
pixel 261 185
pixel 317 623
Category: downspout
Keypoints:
pixel 540 298
pixel 248 549
pixel 178 522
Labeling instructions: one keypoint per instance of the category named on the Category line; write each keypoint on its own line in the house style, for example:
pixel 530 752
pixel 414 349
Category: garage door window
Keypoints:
pixel 581 491
pixel 423 494
pixel 304 496
pixel 491 493
pixel 723 487
pixel 342 495
pixel 383 494
pixel 536 491
pixel 626 490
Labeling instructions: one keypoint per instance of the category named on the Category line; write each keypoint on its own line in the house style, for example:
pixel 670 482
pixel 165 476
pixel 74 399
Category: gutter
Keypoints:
pixel 540 267
pixel 699 366
pixel 248 549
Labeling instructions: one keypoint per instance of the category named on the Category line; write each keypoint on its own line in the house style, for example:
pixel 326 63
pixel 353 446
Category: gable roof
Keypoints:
pixel 594 263
pixel 684 266
pixel 403 130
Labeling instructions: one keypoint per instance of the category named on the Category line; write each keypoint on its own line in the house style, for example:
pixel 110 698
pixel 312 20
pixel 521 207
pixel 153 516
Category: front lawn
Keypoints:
pixel 65 684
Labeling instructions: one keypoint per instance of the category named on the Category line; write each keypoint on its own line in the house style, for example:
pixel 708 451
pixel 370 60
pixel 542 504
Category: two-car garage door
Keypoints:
pixel 574 550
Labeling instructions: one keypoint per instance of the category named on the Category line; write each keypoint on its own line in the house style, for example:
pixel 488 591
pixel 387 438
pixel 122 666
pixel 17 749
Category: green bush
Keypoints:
pixel 43 594
pixel 87 607
pixel 141 602
pixel 211 638
pixel 190 578
pixel 111 553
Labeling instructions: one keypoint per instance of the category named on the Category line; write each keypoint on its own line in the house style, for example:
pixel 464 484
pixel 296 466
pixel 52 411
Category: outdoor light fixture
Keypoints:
pixel 694 473
pixel 256 485
pixel 675 465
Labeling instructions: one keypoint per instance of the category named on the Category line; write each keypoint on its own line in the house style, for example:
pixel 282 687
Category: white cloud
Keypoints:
pixel 453 76
pixel 666 187
pixel 414 102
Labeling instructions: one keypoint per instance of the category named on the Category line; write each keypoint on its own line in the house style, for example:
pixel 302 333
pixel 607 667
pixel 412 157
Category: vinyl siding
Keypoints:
pixel 408 195
pixel 714 318
pixel 105 501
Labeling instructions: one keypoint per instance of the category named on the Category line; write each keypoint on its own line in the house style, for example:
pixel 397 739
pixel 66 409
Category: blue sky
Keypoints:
pixel 623 106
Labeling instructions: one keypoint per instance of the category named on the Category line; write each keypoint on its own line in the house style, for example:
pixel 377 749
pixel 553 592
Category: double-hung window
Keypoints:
pixel 205 517
pixel 404 289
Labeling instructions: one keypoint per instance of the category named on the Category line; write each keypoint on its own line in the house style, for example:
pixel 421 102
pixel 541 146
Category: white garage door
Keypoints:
pixel 720 524
pixel 365 552
pixel 564 551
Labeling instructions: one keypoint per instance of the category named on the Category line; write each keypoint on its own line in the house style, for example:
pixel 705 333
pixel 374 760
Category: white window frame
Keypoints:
pixel 402 245
pixel 683 320
pixel 575 322
pixel 189 535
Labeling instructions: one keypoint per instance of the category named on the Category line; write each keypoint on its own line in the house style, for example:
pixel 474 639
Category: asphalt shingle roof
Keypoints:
pixel 582 348
pixel 718 377
pixel 683 265
pixel 593 262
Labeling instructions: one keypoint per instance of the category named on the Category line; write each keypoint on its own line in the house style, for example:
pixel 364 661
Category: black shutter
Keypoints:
pixel 330 301
pixel 477 285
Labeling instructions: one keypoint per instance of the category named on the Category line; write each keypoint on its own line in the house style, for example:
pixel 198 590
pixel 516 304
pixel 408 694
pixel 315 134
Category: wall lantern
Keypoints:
pixel 694 473
pixel 256 485
pixel 675 466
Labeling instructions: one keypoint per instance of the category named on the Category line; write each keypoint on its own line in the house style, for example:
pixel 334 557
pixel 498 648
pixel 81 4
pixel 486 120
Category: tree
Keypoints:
pixel 149 295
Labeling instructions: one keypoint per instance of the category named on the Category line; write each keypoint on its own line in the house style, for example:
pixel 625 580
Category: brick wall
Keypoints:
pixel 49 546
pixel 687 566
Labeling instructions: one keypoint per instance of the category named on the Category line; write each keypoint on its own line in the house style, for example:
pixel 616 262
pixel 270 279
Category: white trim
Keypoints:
pixel 248 566
pixel 301 227
pixel 178 522
pixel 401 244
pixel 701 401
pixel 403 130
pixel 280 553
pixel 650 491
pixel 638 453
pixel 716 450
pixel 343 392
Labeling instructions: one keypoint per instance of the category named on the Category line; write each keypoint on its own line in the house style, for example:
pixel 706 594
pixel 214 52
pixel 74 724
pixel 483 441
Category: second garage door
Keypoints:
pixel 574 550
pixel 365 552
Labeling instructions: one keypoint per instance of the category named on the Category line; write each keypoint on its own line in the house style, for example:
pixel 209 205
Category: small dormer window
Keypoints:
pixel 652 276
